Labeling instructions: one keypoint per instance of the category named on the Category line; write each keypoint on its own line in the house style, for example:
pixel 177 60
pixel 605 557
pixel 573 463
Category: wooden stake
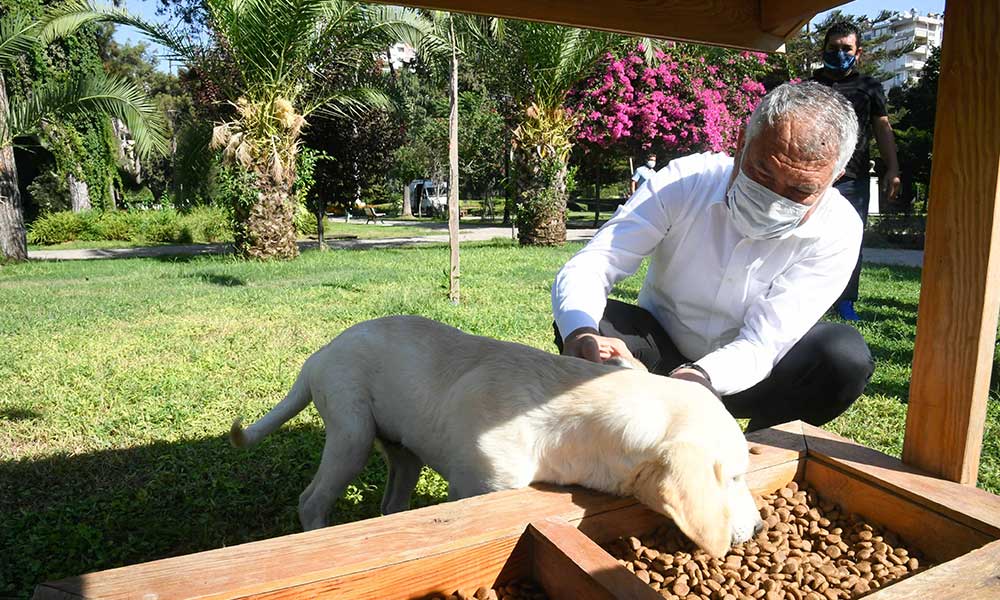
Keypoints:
pixel 453 293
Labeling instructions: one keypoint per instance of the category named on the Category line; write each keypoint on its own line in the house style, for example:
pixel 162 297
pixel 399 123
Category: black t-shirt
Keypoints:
pixel 866 94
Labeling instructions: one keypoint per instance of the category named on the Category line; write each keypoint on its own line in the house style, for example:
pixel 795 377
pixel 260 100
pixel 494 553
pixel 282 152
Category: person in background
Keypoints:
pixel 644 172
pixel 841 52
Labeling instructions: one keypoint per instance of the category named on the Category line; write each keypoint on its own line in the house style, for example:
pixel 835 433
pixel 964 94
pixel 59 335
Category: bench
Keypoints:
pixel 372 216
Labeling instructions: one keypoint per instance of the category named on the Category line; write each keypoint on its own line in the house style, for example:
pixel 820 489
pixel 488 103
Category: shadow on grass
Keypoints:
pixel 18 414
pixel 222 280
pixel 68 515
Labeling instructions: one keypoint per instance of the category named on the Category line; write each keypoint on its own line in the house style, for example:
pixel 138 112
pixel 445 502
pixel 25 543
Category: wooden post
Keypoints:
pixel 960 291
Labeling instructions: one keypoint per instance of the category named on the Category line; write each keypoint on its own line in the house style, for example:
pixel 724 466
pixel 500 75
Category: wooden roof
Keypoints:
pixel 751 24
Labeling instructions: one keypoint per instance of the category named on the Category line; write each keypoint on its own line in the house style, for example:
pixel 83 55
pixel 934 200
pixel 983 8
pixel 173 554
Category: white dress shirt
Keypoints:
pixel 733 305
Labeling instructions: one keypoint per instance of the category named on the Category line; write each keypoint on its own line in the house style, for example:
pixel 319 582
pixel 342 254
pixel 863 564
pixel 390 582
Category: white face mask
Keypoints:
pixel 650 163
pixel 760 213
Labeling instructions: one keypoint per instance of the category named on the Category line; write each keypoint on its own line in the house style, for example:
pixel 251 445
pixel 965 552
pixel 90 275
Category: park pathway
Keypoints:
pixel 909 258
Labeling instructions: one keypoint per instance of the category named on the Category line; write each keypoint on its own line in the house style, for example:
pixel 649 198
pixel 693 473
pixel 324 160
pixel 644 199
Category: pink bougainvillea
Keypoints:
pixel 678 103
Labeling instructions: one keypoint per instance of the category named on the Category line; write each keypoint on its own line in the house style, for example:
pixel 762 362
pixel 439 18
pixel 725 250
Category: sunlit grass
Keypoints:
pixel 118 380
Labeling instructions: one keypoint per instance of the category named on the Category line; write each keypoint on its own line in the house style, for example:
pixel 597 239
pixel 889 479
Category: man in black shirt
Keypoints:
pixel 841 51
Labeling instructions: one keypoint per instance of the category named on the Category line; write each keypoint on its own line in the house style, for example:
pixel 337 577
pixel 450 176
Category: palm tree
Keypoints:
pixel 289 59
pixel 538 64
pixel 19 33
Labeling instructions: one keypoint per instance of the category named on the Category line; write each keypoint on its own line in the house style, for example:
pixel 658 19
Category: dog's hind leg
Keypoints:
pixel 345 453
pixel 404 471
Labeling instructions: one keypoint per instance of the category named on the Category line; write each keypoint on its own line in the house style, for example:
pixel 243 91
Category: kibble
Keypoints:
pixel 521 589
pixel 811 549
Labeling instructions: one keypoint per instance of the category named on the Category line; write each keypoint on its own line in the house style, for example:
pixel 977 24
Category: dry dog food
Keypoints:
pixel 809 550
pixel 521 589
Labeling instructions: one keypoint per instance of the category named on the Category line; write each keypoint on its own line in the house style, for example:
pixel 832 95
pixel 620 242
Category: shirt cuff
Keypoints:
pixel 571 320
pixel 727 377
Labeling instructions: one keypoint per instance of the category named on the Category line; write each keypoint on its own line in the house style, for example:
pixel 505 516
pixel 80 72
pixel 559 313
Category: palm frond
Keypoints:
pixel 18 34
pixel 106 95
pixel 67 17
pixel 350 104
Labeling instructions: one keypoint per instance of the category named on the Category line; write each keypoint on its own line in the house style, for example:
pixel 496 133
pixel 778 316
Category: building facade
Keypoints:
pixel 907 28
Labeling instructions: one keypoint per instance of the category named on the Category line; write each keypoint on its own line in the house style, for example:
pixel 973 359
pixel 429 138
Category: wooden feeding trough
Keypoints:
pixel 552 535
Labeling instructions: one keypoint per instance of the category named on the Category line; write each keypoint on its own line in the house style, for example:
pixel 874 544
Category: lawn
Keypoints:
pixel 118 380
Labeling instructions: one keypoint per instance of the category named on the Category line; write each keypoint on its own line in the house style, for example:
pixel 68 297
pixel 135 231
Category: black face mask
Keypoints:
pixel 838 61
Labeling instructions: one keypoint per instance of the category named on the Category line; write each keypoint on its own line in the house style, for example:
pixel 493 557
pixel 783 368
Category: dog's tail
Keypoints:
pixel 294 403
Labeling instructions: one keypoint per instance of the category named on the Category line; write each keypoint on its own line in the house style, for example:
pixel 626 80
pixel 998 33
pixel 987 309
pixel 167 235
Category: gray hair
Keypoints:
pixel 827 110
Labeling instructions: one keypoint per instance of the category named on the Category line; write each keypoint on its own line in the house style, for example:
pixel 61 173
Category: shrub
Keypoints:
pixel 208 224
pixel 50 192
pixel 55 228
pixel 203 224
pixel 140 198
pixel 305 221
pixel 162 226
pixel 118 225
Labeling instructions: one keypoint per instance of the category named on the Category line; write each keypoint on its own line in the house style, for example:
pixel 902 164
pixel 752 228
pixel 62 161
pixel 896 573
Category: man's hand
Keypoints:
pixel 587 343
pixel 889 186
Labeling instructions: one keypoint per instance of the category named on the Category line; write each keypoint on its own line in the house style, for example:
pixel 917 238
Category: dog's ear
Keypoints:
pixel 687 485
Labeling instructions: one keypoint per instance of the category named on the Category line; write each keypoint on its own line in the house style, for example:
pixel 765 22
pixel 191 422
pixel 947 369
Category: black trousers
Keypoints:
pixel 817 380
pixel 858 193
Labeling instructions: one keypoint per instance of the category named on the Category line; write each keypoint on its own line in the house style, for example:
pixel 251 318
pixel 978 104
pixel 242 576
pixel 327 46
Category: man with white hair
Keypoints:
pixel 745 255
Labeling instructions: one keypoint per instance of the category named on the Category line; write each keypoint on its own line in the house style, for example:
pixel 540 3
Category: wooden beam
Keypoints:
pixel 783 18
pixel 960 290
pixel 569 564
pixel 734 23
pixel 973 507
pixel 975 576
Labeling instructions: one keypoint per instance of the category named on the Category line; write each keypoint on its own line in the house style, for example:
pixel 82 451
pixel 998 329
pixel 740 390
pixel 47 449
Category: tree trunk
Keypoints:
pixel 266 229
pixel 541 199
pixel 453 293
pixel 597 192
pixel 320 231
pixel 508 183
pixel 407 201
pixel 13 239
pixel 79 194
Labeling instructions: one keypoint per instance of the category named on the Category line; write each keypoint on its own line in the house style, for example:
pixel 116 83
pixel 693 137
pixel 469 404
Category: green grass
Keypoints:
pixel 118 380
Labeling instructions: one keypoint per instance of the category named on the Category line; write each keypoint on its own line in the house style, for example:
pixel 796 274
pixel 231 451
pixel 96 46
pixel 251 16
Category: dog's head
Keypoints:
pixel 703 491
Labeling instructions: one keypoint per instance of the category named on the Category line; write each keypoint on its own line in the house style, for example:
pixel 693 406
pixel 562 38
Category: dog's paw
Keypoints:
pixel 236 437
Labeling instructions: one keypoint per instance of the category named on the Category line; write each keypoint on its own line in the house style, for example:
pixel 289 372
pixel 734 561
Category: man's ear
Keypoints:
pixel 687 486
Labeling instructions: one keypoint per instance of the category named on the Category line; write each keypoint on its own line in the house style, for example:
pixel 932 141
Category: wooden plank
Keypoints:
pixel 311 560
pixel 569 565
pixel 780 443
pixel 974 507
pixel 305 558
pixel 734 23
pixel 960 288
pixel 782 18
pixel 938 537
pixel 975 576
pixel 465 568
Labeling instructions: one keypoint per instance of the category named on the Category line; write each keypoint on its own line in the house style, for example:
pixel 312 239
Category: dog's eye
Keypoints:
pixel 737 478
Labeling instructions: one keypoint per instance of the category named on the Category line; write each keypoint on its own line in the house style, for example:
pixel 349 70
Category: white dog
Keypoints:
pixel 490 415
